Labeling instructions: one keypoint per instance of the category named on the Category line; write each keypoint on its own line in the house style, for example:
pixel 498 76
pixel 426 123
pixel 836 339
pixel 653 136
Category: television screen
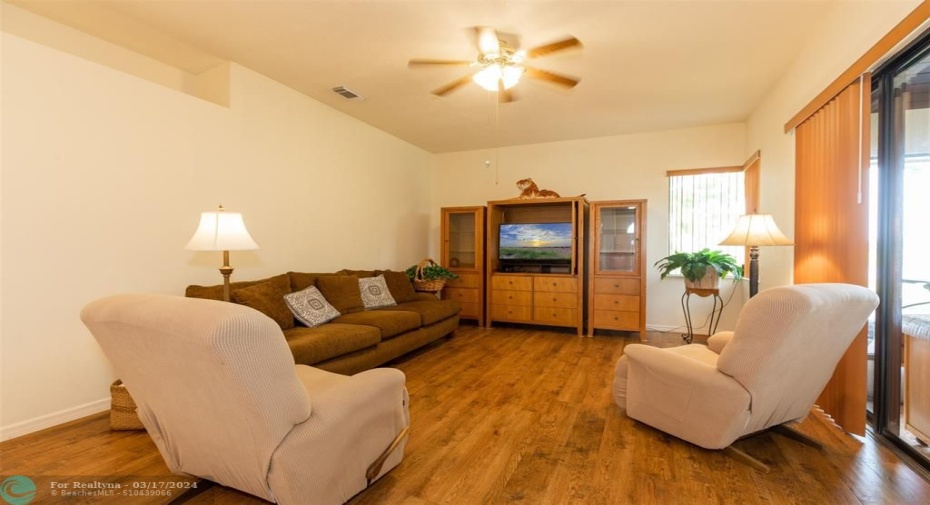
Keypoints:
pixel 537 242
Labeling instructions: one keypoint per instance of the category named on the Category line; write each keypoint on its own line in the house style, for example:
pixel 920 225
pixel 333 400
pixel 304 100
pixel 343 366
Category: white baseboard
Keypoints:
pixel 53 419
pixel 661 327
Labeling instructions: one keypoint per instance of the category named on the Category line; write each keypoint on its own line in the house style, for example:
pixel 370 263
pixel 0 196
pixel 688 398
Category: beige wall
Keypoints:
pixel 848 32
pixel 2 122
pixel 105 174
pixel 607 168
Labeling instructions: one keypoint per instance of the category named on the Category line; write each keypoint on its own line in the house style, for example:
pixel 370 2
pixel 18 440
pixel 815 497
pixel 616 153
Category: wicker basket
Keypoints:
pixel 426 285
pixel 123 409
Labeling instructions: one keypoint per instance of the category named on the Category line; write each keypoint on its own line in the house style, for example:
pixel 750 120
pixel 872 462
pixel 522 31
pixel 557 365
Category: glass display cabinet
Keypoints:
pixel 617 288
pixel 462 252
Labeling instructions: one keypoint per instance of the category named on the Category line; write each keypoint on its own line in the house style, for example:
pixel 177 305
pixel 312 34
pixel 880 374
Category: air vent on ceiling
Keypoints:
pixel 347 93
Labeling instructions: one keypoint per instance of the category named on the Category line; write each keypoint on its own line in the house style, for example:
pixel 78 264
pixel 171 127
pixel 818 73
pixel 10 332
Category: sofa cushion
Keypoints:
pixel 313 345
pixel 268 298
pixel 216 292
pixel 390 323
pixel 342 292
pixel 399 285
pixel 301 281
pixel 310 308
pixel 375 293
pixel 430 311
pixel 361 274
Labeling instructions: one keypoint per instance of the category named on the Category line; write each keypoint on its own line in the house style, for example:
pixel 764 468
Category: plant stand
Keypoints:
pixel 715 314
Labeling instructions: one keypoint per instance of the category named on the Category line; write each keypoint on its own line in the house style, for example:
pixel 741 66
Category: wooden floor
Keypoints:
pixel 511 415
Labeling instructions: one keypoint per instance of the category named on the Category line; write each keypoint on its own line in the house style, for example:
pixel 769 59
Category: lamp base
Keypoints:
pixel 226 271
pixel 753 270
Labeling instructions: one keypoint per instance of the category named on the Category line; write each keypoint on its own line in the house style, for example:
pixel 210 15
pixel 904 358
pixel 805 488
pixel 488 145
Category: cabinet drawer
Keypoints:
pixel 555 284
pixel 508 297
pixel 469 280
pixel 462 295
pixel 616 302
pixel 614 285
pixel 511 312
pixel 616 319
pixel 551 315
pixel 470 310
pixel 560 300
pixel 513 282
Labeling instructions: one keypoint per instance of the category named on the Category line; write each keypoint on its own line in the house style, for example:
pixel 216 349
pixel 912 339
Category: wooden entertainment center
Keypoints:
pixel 595 279
pixel 537 293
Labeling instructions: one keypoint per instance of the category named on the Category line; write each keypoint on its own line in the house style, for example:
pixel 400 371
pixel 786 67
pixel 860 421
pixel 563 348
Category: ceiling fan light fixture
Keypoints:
pixel 511 75
pixel 490 75
pixel 500 64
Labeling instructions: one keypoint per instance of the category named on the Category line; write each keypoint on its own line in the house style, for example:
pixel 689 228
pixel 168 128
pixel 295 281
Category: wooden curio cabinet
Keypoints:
pixel 462 250
pixel 617 288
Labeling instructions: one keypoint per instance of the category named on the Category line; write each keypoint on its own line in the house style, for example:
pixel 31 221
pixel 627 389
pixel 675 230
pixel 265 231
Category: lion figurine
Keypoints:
pixel 529 189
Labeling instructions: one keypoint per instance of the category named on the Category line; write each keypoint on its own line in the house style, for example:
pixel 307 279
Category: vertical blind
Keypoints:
pixel 704 206
pixel 831 226
pixel 752 180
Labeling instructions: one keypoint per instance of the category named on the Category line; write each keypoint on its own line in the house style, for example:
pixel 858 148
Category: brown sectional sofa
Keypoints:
pixel 357 340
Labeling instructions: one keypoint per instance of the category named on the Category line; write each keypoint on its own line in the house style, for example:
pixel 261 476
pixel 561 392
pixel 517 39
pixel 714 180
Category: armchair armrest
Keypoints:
pixel 719 340
pixel 352 422
pixel 685 397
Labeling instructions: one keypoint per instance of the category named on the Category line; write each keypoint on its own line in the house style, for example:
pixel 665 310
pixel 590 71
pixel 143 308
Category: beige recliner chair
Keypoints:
pixel 769 371
pixel 219 393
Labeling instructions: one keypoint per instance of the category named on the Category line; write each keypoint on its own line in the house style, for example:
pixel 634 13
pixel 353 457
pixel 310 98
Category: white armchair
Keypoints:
pixel 218 391
pixel 769 371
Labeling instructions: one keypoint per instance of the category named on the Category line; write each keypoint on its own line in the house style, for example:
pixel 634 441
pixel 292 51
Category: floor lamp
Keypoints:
pixel 222 231
pixel 752 231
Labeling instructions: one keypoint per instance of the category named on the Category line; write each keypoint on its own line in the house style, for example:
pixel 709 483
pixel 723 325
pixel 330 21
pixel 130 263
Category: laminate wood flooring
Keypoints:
pixel 517 415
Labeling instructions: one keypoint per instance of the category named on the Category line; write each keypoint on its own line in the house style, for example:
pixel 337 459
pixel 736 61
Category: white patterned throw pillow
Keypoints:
pixel 375 292
pixel 310 308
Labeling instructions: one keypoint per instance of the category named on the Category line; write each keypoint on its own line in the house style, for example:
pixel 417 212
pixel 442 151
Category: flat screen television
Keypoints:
pixel 535 243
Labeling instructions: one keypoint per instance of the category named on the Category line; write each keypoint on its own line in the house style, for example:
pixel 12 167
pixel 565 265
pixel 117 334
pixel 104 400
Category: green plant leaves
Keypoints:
pixel 694 266
pixel 431 272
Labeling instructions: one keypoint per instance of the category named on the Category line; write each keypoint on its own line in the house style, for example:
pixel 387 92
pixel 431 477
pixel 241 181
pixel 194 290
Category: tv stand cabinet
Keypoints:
pixel 534 296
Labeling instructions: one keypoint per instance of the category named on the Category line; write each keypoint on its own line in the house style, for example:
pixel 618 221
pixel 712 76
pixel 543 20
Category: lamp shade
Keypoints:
pixel 756 229
pixel 221 231
pixel 489 77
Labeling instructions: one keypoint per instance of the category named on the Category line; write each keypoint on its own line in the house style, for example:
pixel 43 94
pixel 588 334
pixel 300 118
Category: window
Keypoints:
pixel 704 206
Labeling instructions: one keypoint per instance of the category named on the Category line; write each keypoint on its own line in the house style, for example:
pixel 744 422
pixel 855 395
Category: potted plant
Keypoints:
pixel 702 269
pixel 429 276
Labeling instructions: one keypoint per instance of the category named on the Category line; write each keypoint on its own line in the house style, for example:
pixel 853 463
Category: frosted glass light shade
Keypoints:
pixel 221 231
pixel 756 230
pixel 490 75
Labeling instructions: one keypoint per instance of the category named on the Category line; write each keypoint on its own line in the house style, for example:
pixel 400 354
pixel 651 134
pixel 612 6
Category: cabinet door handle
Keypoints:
pixel 553 299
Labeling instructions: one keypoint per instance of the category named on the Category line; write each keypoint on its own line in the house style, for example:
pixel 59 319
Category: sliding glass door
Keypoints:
pixel 901 162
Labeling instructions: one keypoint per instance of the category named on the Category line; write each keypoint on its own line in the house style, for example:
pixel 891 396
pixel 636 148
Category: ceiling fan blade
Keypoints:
pixel 544 75
pixel 503 95
pixel 487 40
pixel 416 62
pixel 452 86
pixel 554 47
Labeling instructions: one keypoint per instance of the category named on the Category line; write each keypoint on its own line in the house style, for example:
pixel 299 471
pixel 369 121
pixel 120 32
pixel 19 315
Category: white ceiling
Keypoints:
pixel 647 65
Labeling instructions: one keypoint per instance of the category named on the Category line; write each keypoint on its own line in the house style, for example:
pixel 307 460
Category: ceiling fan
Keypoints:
pixel 500 65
